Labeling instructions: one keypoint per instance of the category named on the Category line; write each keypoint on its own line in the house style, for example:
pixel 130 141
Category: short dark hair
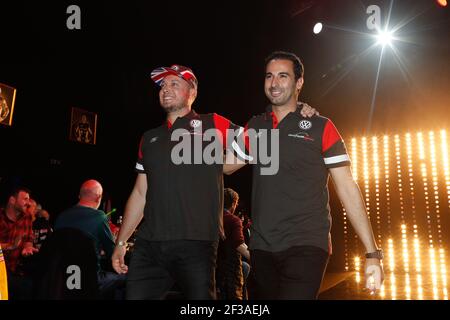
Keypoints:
pixel 17 190
pixel 230 197
pixel 283 55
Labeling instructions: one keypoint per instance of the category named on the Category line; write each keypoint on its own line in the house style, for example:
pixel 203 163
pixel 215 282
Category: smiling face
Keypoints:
pixel 280 85
pixel 176 94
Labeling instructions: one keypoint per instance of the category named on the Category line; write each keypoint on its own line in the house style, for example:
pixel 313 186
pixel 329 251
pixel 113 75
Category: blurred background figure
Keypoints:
pixel 86 217
pixel 229 274
pixel 16 241
pixel 41 227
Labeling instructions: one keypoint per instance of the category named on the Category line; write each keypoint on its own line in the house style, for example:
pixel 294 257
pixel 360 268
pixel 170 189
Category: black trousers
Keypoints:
pixel 292 274
pixel 156 265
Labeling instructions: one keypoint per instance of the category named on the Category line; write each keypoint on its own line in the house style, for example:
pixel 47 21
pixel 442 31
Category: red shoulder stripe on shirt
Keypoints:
pixel 221 124
pixel 246 138
pixel 140 155
pixel 330 136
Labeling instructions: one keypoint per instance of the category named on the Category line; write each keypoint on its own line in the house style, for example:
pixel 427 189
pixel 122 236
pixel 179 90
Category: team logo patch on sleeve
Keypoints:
pixel 139 166
pixel 305 124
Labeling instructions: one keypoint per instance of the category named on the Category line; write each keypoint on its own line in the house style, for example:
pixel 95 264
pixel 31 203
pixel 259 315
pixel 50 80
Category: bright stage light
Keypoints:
pixel 409 209
pixel 317 28
pixel 384 38
pixel 442 3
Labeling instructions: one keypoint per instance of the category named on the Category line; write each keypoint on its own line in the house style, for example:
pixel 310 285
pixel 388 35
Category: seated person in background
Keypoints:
pixel 86 217
pixel 229 273
pixel 246 224
pixel 32 208
pixel 16 240
pixel 41 230
pixel 41 227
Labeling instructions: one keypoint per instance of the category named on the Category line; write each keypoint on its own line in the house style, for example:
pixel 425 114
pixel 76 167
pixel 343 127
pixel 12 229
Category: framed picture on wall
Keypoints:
pixel 83 126
pixel 7 99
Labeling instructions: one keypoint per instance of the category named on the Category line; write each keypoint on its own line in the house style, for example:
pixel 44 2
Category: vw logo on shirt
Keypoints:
pixel 195 123
pixel 305 124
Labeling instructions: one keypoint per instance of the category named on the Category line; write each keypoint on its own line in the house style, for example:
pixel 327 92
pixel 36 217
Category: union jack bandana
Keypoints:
pixel 160 73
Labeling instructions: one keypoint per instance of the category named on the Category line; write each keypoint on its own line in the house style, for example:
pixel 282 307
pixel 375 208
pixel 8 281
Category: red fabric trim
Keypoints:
pixel 274 120
pixel 330 136
pixel 140 155
pixel 246 138
pixel 221 124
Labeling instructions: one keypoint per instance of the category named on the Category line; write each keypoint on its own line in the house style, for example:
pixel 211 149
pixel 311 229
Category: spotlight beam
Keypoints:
pixel 356 59
pixel 374 94
pixel 401 64
pixel 389 14
pixel 340 28
pixel 406 21
pixel 387 32
pixel 375 88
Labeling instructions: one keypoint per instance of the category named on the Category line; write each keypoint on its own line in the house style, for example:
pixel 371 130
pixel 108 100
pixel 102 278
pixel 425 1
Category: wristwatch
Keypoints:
pixel 375 255
pixel 121 243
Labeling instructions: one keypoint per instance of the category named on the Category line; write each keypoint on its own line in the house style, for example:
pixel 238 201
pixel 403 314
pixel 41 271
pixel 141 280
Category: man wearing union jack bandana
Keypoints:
pixel 180 204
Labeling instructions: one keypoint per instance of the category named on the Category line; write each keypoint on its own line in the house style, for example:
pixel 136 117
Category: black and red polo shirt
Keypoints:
pixel 290 208
pixel 184 201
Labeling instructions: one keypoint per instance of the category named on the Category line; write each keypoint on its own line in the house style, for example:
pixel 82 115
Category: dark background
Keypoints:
pixel 105 68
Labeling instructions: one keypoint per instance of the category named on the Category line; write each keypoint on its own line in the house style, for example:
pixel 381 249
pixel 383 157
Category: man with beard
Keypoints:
pixel 16 241
pixel 181 203
pixel 290 241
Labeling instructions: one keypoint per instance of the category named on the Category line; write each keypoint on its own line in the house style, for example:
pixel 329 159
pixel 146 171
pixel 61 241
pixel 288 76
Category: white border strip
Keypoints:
pixel 336 159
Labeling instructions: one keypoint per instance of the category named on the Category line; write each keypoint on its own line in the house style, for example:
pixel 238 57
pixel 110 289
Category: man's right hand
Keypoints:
pixel 118 259
pixel 29 251
pixel 374 274
pixel 308 111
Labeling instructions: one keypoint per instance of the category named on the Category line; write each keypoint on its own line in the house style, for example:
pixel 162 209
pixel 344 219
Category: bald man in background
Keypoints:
pixel 86 217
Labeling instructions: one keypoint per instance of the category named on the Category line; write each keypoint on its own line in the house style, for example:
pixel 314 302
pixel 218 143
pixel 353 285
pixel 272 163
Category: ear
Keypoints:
pixel 299 84
pixel 12 200
pixel 193 93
